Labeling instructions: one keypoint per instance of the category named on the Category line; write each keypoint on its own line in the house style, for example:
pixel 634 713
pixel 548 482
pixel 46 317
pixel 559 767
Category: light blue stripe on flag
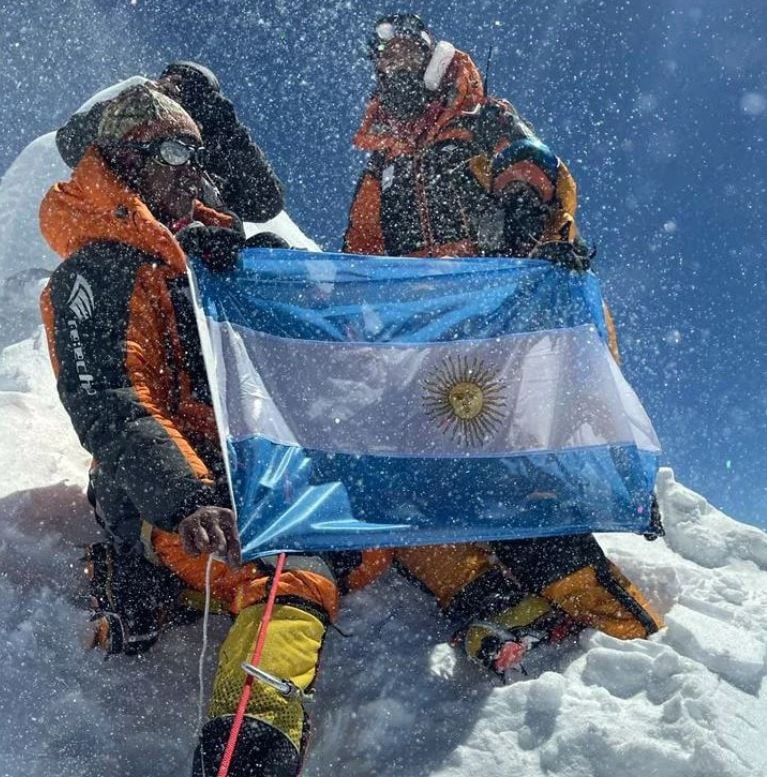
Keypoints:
pixel 369 401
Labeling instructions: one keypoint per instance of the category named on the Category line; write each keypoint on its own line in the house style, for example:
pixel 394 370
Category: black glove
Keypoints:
pixel 524 218
pixel 266 240
pixel 573 254
pixel 218 247
pixel 195 87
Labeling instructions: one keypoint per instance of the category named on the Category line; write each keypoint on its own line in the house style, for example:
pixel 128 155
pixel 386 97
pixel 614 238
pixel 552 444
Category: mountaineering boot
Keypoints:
pixel 131 598
pixel 573 573
pixel 503 642
pixel 286 671
pixel 261 751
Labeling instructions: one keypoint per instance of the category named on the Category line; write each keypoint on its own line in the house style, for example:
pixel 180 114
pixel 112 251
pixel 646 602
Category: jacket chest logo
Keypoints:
pixel 81 301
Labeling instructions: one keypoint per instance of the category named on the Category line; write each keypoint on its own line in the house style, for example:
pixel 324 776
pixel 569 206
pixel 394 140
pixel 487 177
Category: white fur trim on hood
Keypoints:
pixel 438 65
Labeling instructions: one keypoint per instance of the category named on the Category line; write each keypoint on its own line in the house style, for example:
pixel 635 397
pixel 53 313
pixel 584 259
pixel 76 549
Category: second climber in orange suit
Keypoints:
pixel 453 172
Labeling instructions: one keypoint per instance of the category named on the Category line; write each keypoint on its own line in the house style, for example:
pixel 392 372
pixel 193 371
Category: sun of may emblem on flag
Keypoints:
pixel 465 397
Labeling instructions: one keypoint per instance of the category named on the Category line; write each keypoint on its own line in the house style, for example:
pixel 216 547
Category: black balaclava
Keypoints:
pixel 402 93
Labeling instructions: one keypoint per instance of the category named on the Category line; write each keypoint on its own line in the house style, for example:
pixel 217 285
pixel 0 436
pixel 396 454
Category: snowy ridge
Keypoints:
pixel 393 699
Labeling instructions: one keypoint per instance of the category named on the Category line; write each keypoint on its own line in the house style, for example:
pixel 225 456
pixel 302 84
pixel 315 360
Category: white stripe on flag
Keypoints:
pixel 537 391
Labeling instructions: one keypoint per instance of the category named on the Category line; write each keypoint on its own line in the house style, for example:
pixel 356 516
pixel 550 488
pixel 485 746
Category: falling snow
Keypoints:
pixel 659 108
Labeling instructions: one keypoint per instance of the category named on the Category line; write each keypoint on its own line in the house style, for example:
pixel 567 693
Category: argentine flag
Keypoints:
pixel 385 402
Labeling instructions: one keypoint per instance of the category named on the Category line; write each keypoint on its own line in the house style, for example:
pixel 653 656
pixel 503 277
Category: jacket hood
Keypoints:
pixel 96 206
pixel 460 91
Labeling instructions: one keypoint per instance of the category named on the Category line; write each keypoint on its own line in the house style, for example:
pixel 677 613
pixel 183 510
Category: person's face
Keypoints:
pixel 400 68
pixel 169 191
pixel 401 55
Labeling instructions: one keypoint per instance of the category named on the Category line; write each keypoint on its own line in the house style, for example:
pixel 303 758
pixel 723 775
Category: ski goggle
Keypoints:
pixel 174 152
pixel 389 28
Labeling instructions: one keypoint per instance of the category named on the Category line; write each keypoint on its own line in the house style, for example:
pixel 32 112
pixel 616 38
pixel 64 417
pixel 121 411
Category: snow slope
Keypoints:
pixel 393 699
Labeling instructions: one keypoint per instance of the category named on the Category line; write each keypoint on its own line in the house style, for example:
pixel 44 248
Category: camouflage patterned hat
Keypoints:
pixel 142 114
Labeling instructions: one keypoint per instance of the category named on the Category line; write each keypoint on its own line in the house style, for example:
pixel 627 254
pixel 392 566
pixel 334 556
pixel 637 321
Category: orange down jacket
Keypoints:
pixel 434 186
pixel 124 346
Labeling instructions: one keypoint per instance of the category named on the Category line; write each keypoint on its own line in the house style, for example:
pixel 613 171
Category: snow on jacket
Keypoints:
pixel 124 345
pixel 433 185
